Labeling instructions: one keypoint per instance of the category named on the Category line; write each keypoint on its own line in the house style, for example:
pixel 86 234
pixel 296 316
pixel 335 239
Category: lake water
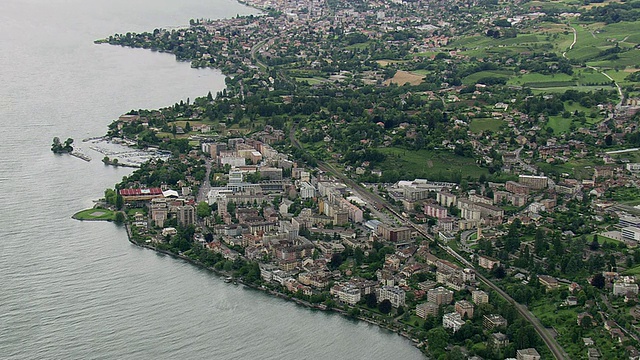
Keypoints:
pixel 73 290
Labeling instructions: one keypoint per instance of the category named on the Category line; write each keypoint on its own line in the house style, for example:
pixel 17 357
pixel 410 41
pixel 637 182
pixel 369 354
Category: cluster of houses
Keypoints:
pixel 474 210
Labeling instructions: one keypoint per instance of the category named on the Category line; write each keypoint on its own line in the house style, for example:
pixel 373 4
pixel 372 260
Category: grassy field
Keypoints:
pixel 473 78
pixel 478 125
pixel 582 79
pixel 633 271
pixel 559 124
pixel 95 215
pixel 562 125
pixel 423 72
pixel 403 77
pixel 603 240
pixel 132 212
pixel 621 76
pixel 548 36
pixel 596 37
pixel 627 59
pixel 574 106
pixel 579 169
pixel 387 62
pixel 414 321
pixel 430 164
pixel 311 81
pixel 592 40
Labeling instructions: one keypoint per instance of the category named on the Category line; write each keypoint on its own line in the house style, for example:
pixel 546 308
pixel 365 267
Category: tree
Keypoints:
pixel 336 261
pixel 67 144
pixel 525 337
pixel 371 300
pixel 231 207
pixel 110 196
pixel 354 312
pixel 358 255
pixel 438 340
pixel 59 148
pixel 203 209
pixel 612 263
pixel 608 140
pixel 119 202
pixel 456 354
pixel 499 272
pixel 385 306
pixel 540 244
pixel 119 218
pixel 598 281
pixel 586 322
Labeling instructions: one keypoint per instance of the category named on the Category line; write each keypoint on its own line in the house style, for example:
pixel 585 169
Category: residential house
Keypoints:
pixel 488 262
pixel 440 296
pixel 479 297
pixel 427 309
pixel 527 354
pixel 464 308
pixel 499 340
pixel 493 321
pixel 391 293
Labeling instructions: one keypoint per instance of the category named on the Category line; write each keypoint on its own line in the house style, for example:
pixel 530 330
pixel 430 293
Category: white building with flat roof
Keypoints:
pixel 631 233
pixel 307 191
pixel 622 288
pixel 452 321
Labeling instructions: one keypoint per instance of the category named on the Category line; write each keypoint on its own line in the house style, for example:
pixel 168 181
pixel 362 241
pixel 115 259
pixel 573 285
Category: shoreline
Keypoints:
pixel 306 304
pixel 92 220
pixel 321 307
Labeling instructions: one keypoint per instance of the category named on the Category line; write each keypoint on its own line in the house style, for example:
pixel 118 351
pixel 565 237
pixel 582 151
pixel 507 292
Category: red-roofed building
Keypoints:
pixel 141 194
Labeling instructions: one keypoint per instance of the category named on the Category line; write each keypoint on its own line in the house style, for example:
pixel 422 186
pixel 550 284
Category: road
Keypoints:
pixel 613 81
pixel 203 192
pixel 254 49
pixel 575 39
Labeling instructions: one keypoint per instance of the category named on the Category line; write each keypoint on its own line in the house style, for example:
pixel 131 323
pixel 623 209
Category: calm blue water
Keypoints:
pixel 72 290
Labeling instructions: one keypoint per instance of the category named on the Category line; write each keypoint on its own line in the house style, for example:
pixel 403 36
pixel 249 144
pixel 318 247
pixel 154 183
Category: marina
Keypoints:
pixel 124 152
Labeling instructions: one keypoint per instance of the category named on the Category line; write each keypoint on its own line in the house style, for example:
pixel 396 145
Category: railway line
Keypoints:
pixel 380 203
